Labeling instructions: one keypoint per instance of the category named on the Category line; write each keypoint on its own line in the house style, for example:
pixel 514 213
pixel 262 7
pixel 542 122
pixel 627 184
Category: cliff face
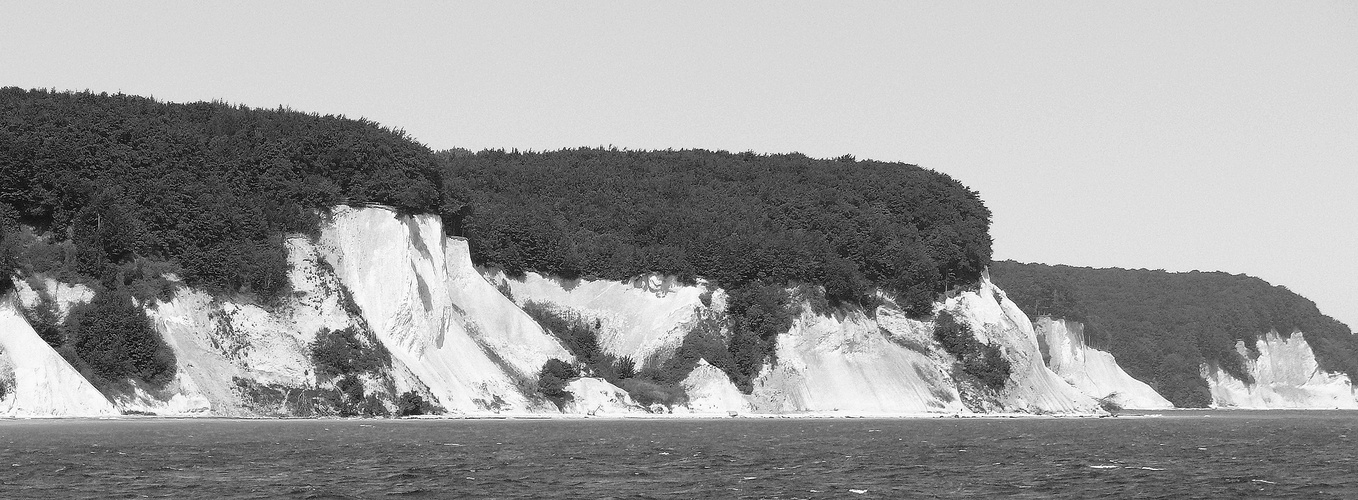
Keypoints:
pixel 34 380
pixel 1032 387
pixel 645 318
pixel 473 348
pixel 1092 371
pixel 848 362
pixel 1285 374
pixel 460 343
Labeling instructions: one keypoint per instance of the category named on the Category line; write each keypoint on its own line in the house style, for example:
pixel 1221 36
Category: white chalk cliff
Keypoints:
pixel 1092 371
pixel 34 380
pixel 463 345
pixel 473 348
pixel 1286 375
pixel 645 318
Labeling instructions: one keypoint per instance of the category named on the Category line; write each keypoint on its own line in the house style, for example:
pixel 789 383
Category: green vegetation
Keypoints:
pixel 981 360
pixel 1163 326
pixel 1109 403
pixel 754 224
pixel 410 403
pixel 209 186
pixel 579 337
pixel 110 340
pixel 704 341
pixel 627 368
pixel 340 352
pixel 552 381
pixel 9 224
pixel 340 357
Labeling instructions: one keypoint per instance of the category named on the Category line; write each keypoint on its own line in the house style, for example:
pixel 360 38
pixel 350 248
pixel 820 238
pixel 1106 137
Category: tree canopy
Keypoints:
pixel 210 186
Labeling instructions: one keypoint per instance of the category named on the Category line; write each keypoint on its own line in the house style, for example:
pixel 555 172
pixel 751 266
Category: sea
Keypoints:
pixel 1170 454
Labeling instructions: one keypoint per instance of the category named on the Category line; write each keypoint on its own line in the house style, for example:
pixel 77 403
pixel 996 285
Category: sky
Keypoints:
pixel 1213 135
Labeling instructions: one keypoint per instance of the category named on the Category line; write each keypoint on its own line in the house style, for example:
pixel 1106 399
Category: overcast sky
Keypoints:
pixel 1161 135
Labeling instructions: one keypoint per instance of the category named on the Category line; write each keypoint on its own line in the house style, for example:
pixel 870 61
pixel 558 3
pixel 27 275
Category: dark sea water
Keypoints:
pixel 1183 454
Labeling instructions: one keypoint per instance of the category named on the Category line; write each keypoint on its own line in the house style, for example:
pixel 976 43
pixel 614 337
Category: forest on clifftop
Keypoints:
pixel 118 192
pixel 1161 326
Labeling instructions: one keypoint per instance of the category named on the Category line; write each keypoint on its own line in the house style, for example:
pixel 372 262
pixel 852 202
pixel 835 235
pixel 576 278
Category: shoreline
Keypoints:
pixel 1125 414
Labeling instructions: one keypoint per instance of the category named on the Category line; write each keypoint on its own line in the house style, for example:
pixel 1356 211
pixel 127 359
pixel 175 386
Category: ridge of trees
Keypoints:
pixel 210 186
pixel 1161 326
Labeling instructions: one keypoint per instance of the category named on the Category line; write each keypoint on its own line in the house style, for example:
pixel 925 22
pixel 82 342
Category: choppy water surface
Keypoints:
pixel 1181 455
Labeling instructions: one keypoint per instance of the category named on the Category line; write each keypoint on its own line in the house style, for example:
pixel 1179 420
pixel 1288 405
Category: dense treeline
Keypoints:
pixel 1161 326
pixel 751 223
pixel 124 189
pixel 208 185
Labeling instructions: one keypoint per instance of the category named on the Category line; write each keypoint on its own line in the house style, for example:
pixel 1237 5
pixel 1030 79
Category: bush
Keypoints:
pixel 580 337
pixel 505 290
pixel 340 352
pixel 410 403
pixel 648 392
pixel 9 222
pixel 43 318
pixel 112 336
pixel 1109 403
pixel 984 361
pixel 627 368
pixel 552 381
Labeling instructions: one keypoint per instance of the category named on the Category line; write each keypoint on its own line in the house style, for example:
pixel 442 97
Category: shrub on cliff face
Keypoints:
pixel 112 337
pixel 410 403
pixel 340 352
pixel 580 337
pixel 43 318
pixel 627 368
pixel 984 361
pixel 552 381
pixel 647 392
pixel 9 222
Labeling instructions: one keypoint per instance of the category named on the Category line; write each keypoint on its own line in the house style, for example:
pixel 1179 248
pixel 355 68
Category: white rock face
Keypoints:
pixel 1092 371
pixel 1286 375
pixel 645 318
pixel 63 296
pixel 849 364
pixel 455 339
pixel 711 391
pixel 892 366
pixel 597 397
pixel 475 350
pixel 1032 387
pixel 37 382
pixel 217 341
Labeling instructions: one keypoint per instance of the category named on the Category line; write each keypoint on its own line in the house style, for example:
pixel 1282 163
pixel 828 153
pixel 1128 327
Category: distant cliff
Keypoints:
pixel 1200 339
